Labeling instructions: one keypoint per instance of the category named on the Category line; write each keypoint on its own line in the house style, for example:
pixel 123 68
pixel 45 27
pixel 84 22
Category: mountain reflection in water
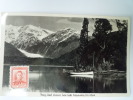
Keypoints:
pixel 52 79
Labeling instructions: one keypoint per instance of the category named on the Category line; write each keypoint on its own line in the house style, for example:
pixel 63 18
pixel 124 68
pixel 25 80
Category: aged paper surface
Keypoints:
pixel 64 55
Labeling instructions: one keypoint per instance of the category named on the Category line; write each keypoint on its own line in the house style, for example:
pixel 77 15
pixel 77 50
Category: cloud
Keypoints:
pixel 75 20
pixel 63 21
pixel 69 20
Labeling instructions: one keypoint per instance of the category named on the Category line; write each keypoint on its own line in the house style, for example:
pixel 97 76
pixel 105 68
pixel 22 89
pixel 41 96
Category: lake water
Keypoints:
pixel 53 79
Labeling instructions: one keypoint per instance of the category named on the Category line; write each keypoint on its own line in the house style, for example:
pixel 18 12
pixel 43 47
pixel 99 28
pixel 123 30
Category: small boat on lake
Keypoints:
pixel 85 76
pixel 82 73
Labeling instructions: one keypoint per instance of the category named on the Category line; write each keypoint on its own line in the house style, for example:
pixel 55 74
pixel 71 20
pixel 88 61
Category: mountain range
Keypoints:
pixel 36 41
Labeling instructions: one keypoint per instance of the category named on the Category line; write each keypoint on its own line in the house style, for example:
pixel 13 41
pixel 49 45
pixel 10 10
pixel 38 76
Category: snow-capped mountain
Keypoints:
pixel 38 32
pixel 30 39
pixel 61 35
pixel 25 40
pixel 12 32
pixel 54 45
pixel 25 36
pixel 61 42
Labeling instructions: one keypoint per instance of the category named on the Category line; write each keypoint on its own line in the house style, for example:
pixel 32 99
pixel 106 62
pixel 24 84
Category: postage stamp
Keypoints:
pixel 19 76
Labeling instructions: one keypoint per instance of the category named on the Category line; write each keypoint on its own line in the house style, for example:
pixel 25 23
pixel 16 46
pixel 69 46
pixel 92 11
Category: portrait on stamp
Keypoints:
pixel 19 77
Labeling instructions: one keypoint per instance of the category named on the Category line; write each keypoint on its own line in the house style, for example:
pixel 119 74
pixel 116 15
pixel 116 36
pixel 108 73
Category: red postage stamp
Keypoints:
pixel 19 76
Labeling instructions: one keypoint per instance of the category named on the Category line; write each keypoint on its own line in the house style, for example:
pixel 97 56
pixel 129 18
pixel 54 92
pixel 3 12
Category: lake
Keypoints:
pixel 53 79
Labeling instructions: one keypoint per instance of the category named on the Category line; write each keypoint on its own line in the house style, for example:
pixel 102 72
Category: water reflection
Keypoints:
pixel 42 79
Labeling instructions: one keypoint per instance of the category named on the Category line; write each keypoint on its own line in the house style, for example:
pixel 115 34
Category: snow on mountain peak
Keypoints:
pixel 38 32
pixel 61 35
pixel 24 37
pixel 67 33
pixel 32 39
pixel 12 32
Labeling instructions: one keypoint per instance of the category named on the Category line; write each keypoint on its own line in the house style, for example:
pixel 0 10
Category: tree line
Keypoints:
pixel 106 51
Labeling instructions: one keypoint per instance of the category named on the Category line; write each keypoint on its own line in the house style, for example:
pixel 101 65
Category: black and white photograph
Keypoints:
pixel 67 54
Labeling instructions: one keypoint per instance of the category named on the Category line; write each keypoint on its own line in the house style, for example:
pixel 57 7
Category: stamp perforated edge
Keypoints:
pixel 10 73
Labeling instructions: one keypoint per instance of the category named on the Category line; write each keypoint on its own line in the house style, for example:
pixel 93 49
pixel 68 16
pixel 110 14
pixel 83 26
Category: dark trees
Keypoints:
pixel 121 53
pixel 84 33
pixel 80 58
pixel 104 52
pixel 102 29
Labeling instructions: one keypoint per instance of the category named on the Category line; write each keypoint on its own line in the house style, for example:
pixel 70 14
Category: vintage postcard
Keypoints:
pixel 64 55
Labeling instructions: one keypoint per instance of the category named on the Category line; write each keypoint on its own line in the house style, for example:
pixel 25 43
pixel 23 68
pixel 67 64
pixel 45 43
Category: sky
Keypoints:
pixel 51 23
pixel 54 23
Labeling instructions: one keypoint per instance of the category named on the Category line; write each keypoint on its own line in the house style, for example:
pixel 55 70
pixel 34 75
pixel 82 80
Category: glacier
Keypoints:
pixel 30 55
